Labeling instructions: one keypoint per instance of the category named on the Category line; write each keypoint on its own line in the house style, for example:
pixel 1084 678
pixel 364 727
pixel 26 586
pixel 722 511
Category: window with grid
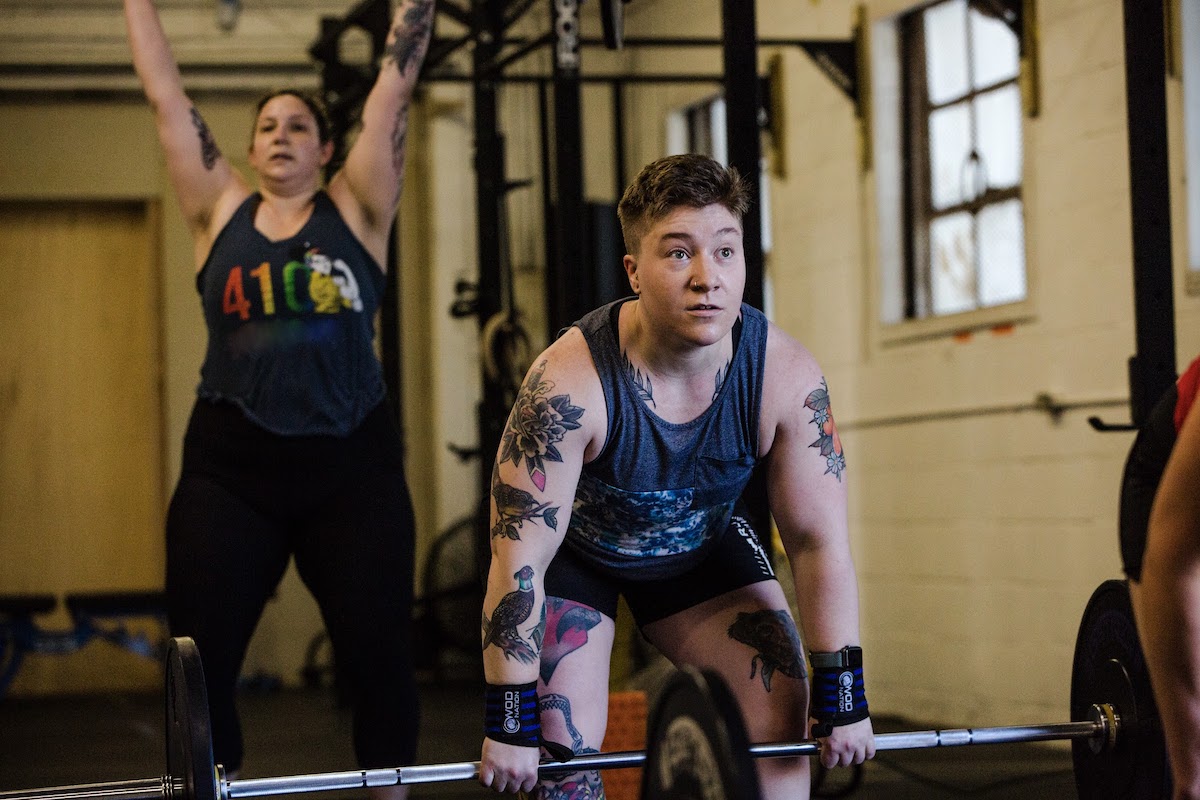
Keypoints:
pixel 962 119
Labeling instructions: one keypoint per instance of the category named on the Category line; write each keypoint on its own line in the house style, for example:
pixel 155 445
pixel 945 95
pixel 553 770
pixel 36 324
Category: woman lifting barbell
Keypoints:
pixel 628 445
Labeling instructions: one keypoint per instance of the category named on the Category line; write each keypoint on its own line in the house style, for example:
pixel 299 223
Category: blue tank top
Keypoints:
pixel 291 323
pixel 660 493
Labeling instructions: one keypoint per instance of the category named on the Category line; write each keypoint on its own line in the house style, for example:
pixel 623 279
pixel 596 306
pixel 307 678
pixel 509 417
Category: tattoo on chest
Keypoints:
pixel 209 152
pixel 828 442
pixel 538 422
pixel 722 373
pixel 641 383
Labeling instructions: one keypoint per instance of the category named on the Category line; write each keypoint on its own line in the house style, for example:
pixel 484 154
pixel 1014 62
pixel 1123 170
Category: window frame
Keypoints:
pixel 896 231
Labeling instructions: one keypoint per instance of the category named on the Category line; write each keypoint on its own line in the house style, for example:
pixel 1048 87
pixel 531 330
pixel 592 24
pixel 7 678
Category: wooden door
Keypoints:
pixel 81 419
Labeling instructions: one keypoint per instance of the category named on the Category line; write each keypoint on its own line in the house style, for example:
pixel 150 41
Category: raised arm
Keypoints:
pixel 367 188
pixel 1169 615
pixel 199 173
pixel 806 487
pixel 537 468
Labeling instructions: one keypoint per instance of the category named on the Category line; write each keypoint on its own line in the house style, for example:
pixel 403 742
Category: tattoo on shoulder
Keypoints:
pixel 515 507
pixel 645 391
pixel 722 374
pixel 828 441
pixel 209 152
pixel 537 423
pixel 411 36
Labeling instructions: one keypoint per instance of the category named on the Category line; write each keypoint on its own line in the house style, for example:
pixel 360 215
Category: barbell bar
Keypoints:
pixel 1105 726
pixel 1101 731
pixel 1117 747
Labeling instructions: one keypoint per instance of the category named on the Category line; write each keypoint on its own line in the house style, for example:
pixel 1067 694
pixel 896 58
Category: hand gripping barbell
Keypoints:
pixel 697 740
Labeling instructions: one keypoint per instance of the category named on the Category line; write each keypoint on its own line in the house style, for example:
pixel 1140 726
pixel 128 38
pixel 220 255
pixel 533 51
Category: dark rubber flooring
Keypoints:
pixel 55 741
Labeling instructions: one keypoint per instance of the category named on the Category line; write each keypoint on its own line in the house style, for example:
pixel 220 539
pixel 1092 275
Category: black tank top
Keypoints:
pixel 660 493
pixel 291 323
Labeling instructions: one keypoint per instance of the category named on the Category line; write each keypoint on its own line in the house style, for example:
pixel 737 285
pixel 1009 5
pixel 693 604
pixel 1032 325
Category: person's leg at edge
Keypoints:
pixel 224 561
pixel 357 560
pixel 747 636
pixel 573 691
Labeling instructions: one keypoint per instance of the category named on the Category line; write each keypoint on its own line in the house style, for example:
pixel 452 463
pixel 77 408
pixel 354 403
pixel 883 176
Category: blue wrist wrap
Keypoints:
pixel 839 696
pixel 510 714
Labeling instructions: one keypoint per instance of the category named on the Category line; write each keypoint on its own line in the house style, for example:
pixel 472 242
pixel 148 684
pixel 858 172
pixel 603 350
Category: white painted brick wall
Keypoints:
pixel 978 540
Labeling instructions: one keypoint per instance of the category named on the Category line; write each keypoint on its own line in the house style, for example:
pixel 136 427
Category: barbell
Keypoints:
pixel 698 746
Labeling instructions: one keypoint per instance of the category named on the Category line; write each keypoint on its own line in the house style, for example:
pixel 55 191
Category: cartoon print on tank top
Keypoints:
pixel 316 284
pixel 278 306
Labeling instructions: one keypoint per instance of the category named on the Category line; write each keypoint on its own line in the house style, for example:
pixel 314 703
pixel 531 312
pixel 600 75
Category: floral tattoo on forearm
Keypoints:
pixel 828 440
pixel 537 423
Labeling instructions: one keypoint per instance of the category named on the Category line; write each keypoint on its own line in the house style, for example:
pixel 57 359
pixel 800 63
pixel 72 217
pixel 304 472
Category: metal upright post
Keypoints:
pixel 488 22
pixel 564 301
pixel 740 48
pixel 1152 368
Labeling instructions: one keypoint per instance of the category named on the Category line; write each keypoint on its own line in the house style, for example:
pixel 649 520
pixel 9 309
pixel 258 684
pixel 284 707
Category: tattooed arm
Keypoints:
pixel 542 451
pixel 203 180
pixel 367 188
pixel 806 486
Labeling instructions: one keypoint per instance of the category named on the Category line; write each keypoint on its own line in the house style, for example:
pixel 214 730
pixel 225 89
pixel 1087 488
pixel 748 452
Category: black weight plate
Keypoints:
pixel 189 733
pixel 1109 668
pixel 697 747
pixel 612 19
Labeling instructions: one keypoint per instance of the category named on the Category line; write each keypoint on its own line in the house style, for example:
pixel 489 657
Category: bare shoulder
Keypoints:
pixel 794 387
pixel 563 382
pixel 790 368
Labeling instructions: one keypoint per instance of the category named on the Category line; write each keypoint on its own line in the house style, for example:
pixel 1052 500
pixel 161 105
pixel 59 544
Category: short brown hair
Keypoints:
pixel 314 103
pixel 691 181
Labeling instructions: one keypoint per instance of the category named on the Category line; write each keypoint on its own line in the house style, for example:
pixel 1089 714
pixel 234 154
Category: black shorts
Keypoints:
pixel 737 559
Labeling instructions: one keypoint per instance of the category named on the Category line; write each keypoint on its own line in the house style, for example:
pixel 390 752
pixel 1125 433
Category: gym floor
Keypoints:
pixel 56 741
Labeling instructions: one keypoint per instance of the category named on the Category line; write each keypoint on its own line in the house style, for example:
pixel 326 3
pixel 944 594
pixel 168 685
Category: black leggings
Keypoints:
pixel 247 501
